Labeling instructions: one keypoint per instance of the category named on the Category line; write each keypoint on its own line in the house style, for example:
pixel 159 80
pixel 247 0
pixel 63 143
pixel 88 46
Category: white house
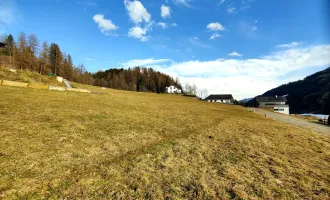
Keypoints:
pixel 220 98
pixel 172 90
pixel 278 103
pixel 284 109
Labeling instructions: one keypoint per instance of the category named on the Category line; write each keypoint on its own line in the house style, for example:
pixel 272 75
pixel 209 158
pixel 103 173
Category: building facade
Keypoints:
pixel 220 98
pixel 278 103
pixel 172 90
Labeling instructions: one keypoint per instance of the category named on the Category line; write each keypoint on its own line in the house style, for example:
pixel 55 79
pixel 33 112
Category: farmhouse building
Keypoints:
pixel 220 98
pixel 279 104
pixel 172 90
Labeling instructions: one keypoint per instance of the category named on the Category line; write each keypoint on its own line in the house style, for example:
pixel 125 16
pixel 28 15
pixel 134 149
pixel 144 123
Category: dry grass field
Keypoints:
pixel 125 145
pixel 27 77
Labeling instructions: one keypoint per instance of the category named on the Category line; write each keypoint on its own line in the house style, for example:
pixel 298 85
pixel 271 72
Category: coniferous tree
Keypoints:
pixel 10 48
pixel 55 59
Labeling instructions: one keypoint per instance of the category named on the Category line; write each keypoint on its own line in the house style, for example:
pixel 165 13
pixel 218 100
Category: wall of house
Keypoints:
pixel 221 101
pixel 283 110
pixel 172 89
pixel 270 104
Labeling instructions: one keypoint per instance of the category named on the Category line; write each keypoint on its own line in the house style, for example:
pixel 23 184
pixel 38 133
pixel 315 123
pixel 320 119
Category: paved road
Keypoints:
pixel 295 121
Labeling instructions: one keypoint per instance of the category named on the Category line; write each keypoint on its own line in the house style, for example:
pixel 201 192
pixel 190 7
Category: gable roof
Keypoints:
pixel 271 99
pixel 219 96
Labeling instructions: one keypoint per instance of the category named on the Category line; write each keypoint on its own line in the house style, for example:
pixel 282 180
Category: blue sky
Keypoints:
pixel 256 44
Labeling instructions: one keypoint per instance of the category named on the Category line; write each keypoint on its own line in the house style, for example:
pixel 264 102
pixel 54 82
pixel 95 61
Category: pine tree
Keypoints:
pixel 70 68
pixel 56 59
pixel 10 47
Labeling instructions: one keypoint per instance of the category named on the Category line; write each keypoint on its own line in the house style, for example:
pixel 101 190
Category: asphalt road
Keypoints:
pixel 320 128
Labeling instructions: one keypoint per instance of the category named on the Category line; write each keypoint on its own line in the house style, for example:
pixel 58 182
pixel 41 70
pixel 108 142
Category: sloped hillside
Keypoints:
pixel 27 77
pixel 312 94
pixel 115 144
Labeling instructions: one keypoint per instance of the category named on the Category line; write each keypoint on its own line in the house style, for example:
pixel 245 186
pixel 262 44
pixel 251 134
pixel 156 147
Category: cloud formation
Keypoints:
pixel 215 26
pixel 165 11
pixel 290 45
pixel 215 35
pixel 105 25
pixel 246 77
pixel 162 24
pixel 137 12
pixel 182 2
pixel 144 62
pixel 235 54
pixel 139 33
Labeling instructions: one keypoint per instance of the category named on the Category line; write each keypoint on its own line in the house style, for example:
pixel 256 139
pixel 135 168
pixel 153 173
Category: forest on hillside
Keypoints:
pixel 310 95
pixel 28 53
pixel 135 79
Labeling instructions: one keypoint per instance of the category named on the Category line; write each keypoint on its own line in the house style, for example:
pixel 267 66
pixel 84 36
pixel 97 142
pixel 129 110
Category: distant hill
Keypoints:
pixel 310 95
pixel 245 100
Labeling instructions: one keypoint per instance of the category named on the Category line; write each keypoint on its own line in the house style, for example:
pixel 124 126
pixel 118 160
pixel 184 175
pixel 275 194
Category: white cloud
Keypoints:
pixel 235 54
pixel 105 25
pixel 137 12
pixel 249 77
pixel 88 59
pixel 165 11
pixel 182 2
pixel 231 10
pixel 245 7
pixel 88 3
pixel 162 24
pixel 254 28
pixel 139 33
pixel 215 26
pixel 222 1
pixel 174 25
pixel 145 62
pixel 290 45
pixel 215 35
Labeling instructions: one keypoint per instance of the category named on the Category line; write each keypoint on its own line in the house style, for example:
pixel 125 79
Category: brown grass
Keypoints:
pixel 27 77
pixel 116 144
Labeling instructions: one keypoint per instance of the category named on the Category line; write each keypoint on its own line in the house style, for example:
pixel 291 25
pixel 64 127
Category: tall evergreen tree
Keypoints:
pixel 55 59
pixel 10 48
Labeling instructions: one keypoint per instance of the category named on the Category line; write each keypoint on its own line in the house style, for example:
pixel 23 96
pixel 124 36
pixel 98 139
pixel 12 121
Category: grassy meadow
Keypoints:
pixel 27 77
pixel 115 144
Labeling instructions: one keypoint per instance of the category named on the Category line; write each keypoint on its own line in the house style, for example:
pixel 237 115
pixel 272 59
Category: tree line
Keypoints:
pixel 138 79
pixel 27 53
